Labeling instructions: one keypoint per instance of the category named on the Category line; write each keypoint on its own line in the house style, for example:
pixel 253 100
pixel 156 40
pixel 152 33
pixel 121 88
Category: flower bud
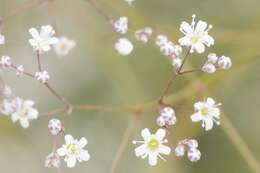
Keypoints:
pixel 55 126
pixel 212 58
pixel 194 155
pixel 160 121
pixel 123 46
pixel 224 62
pixel 209 68
pixel 179 151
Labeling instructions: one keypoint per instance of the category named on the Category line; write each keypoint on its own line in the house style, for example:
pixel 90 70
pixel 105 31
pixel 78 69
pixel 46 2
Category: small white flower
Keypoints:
pixel 6 91
pixel 176 63
pixel 42 40
pixel 224 62
pixel 161 39
pixel 123 46
pixel 180 151
pixel 209 68
pixel 2 39
pixel 212 58
pixel 64 46
pixel 24 112
pixel 5 62
pixel 167 117
pixel 73 151
pixel 130 1
pixel 192 143
pixel 167 48
pixel 152 146
pixel 194 155
pixel 144 34
pixel 52 160
pixel 208 112
pixel 42 76
pixel 19 70
pixel 121 25
pixel 177 50
pixel 55 126
pixel 196 37
pixel 7 107
pixel 161 121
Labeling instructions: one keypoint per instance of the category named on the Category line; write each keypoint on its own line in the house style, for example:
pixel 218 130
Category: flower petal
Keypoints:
pixel 201 27
pixel 198 106
pixel 141 150
pixel 84 155
pixel 186 28
pixel 210 101
pixel 184 41
pixel 207 40
pixel 196 117
pixel 68 139
pixel 146 134
pixel 200 48
pixel 24 122
pixel 62 151
pixel 153 158
pixel 160 134
pixel 71 161
pixel 164 150
pixel 82 142
pixel 208 124
pixel 34 33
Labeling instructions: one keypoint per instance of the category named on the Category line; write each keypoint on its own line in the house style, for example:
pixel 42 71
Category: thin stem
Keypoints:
pixel 26 73
pixel 104 15
pixel 165 91
pixel 39 60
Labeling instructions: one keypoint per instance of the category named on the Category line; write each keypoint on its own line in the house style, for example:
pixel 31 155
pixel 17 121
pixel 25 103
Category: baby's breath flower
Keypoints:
pixel 7 107
pixel 180 150
pixel 2 39
pixel 167 48
pixel 121 25
pixel 55 127
pixel 194 155
pixel 144 34
pixel 209 68
pixel 191 146
pixel 176 63
pixel 196 36
pixel 123 46
pixel 167 117
pixel 52 160
pixel 19 70
pixel 5 62
pixel 24 112
pixel 64 46
pixel 42 40
pixel 73 151
pixel 208 112
pixel 161 39
pixel 212 58
pixel 42 76
pixel 152 146
pixel 224 62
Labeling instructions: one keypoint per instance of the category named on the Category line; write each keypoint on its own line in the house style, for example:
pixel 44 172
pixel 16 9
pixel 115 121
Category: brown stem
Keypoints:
pixel 104 15
pixel 39 60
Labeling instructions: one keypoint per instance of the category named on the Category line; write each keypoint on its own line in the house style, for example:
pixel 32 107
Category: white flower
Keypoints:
pixel 24 112
pixel 5 62
pixel 52 160
pixel 64 46
pixel 144 34
pixel 180 150
pixel 194 155
pixel 167 117
pixel 176 63
pixel 55 126
pixel 73 151
pixel 209 68
pixel 42 40
pixel 123 46
pixel 2 39
pixel 121 25
pixel 196 37
pixel 189 145
pixel 212 58
pixel 177 50
pixel 130 1
pixel 6 91
pixel 42 76
pixel 167 48
pixel 208 112
pixel 161 39
pixel 152 146
pixel 19 70
pixel 224 62
pixel 7 107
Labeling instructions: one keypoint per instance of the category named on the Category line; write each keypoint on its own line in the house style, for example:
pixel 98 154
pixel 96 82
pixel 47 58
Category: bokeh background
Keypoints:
pixel 94 74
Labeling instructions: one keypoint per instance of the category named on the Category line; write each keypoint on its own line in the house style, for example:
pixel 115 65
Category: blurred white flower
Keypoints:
pixel 42 40
pixel 123 46
pixel 24 112
pixel 224 62
pixel 55 126
pixel 7 107
pixel 212 58
pixel 160 40
pixel 189 145
pixel 194 155
pixel 152 146
pixel 167 117
pixel 180 150
pixel 196 37
pixel 208 112
pixel 167 48
pixel 144 34
pixel 42 76
pixel 209 68
pixel 2 39
pixel 121 25
pixel 5 62
pixel 52 160
pixel 19 70
pixel 176 63
pixel 64 46
pixel 6 91
pixel 73 151
pixel 130 1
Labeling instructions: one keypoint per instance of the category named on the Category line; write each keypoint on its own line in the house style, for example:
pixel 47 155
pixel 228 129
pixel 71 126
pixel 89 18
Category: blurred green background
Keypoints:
pixel 94 74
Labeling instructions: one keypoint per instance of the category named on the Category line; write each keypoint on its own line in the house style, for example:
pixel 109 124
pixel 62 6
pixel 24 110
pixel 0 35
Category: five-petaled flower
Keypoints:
pixel 196 37
pixel 208 112
pixel 42 40
pixel 73 151
pixel 152 146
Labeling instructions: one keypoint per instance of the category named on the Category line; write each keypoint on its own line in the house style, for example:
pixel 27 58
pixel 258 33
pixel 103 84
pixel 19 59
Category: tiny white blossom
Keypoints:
pixel 167 117
pixel 208 112
pixel 191 146
pixel 24 112
pixel 177 50
pixel 130 1
pixel 196 37
pixel 121 25
pixel 123 46
pixel 194 155
pixel 176 63
pixel 73 151
pixel 167 48
pixel 212 58
pixel 161 39
pixel 209 68
pixel 19 70
pixel 5 62
pixel 180 150
pixel 52 160
pixel 224 62
pixel 144 34
pixel 42 76
pixel 152 146
pixel 2 39
pixel 64 46
pixel 55 127
pixel 42 40
pixel 7 107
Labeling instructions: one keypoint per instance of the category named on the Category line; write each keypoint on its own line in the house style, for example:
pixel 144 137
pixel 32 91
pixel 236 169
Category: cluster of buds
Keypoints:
pixel 55 127
pixel 52 160
pixel 167 117
pixel 213 62
pixel 144 34
pixel 191 146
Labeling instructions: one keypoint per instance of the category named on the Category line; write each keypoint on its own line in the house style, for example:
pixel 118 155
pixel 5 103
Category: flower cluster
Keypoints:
pixel 167 117
pixel 55 127
pixel 144 34
pixel 213 63
pixel 191 147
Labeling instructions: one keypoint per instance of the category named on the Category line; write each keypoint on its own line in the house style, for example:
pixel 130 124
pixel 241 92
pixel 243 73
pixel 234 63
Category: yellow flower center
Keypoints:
pixel 194 39
pixel 204 111
pixel 73 149
pixel 153 144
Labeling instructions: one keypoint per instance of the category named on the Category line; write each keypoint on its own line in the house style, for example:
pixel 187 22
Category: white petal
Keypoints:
pixel 15 117
pixel 186 28
pixel 201 27
pixel 33 114
pixel 208 124
pixel 160 134
pixel 24 122
pixel 28 103
pixel 215 112
pixel 196 117
pixel 68 139
pixel 200 48
pixel 34 32
pixel 153 159
pixel 141 150
pixel 61 151
pixel 82 142
pixel 146 134
pixel 84 155
pixel 71 161
pixel 198 105
pixel 207 39
pixel 184 41
pixel 164 150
